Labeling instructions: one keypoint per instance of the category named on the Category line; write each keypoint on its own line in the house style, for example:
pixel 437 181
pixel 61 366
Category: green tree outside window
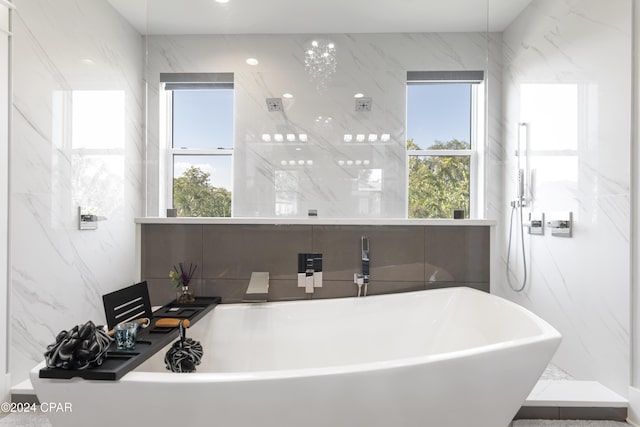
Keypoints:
pixel 193 195
pixel 438 184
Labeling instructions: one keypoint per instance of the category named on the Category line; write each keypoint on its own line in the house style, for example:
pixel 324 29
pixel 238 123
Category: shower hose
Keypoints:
pixel 520 288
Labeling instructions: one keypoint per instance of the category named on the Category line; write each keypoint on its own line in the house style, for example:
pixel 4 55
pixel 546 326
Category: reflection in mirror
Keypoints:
pixel 286 184
pixel 97 147
pixel 328 99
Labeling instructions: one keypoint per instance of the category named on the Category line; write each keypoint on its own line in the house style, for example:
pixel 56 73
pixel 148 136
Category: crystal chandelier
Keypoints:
pixel 320 62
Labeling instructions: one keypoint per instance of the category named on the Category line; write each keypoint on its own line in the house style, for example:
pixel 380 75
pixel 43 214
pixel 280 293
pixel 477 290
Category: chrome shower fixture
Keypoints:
pixel 363 104
pixel 274 104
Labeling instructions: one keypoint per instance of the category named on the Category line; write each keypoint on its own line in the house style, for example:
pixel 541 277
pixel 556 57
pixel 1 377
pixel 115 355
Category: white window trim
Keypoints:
pixel 475 154
pixel 170 152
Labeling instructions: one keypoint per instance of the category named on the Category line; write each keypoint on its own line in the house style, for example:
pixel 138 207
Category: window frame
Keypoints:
pixel 189 81
pixel 477 139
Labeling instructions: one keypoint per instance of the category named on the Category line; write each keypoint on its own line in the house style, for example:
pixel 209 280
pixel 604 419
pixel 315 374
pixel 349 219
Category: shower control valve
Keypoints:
pixel 561 224
pixel 536 223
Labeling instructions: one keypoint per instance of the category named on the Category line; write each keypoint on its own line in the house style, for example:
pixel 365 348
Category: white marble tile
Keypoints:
pixel 553 372
pixel 4 194
pixel 372 180
pixel 567 74
pixel 77 141
pixel 575 394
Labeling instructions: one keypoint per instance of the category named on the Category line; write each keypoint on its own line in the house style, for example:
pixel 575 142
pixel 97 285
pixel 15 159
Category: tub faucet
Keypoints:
pixel 258 288
pixel 361 279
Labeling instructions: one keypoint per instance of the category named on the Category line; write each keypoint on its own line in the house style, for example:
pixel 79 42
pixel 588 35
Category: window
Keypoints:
pixel 443 129
pixel 97 148
pixel 200 142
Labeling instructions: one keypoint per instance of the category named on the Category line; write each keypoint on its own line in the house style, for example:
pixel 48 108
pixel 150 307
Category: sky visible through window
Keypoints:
pixel 438 112
pixel 203 119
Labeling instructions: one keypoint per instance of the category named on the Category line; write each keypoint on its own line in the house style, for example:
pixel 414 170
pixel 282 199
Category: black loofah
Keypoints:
pixel 82 347
pixel 184 355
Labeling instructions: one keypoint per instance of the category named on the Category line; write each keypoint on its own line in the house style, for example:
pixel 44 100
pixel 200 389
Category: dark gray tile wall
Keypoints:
pixel 234 251
pixel 456 254
pixel 164 246
pixel 403 258
pixel 397 253
pixel 571 413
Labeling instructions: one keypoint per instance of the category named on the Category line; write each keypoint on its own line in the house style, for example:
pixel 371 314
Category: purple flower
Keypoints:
pixel 181 276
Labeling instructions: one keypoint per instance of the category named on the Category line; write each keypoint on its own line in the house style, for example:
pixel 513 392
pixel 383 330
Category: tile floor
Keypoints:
pixel 555 373
pixel 24 420
pixel 40 420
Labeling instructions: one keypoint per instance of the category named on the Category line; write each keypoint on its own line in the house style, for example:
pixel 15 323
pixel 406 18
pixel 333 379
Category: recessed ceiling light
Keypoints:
pixel 358 95
pixel 359 137
pixel 298 149
pixel 222 1
pixel 287 95
pixel 291 137
pixel 302 137
pixel 385 137
pixel 252 61
pixel 88 61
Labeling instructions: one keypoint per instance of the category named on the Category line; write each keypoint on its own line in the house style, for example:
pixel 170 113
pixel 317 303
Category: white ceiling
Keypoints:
pixel 316 16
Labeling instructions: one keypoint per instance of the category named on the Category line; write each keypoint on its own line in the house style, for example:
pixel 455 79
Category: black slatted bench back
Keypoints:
pixel 127 304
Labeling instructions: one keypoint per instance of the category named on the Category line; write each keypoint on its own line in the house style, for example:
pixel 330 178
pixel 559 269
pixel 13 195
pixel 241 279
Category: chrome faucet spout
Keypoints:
pixel 258 288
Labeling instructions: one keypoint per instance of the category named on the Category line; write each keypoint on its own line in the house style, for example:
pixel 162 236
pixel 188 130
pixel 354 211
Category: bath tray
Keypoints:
pixel 199 302
pixel 186 310
pixel 178 312
pixel 149 342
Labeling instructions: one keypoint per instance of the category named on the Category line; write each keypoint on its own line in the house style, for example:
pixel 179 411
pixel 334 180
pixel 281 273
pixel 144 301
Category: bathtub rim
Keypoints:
pixel 547 333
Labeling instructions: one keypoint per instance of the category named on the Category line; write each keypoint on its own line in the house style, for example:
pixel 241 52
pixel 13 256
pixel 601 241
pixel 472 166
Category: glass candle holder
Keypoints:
pixel 125 336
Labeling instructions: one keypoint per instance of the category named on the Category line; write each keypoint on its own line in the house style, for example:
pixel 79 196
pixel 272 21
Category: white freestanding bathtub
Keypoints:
pixel 439 358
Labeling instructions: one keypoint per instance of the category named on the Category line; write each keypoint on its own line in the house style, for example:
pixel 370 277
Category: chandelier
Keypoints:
pixel 320 62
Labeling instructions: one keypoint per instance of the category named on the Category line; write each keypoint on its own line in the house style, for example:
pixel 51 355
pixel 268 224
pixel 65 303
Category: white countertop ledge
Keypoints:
pixel 319 221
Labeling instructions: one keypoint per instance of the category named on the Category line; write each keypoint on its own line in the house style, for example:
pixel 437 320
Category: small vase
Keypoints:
pixel 185 295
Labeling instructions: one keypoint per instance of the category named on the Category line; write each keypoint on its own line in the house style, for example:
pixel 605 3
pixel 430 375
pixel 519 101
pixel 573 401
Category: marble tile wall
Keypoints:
pixel 403 258
pixel 4 197
pixel 372 64
pixel 77 141
pixel 567 73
